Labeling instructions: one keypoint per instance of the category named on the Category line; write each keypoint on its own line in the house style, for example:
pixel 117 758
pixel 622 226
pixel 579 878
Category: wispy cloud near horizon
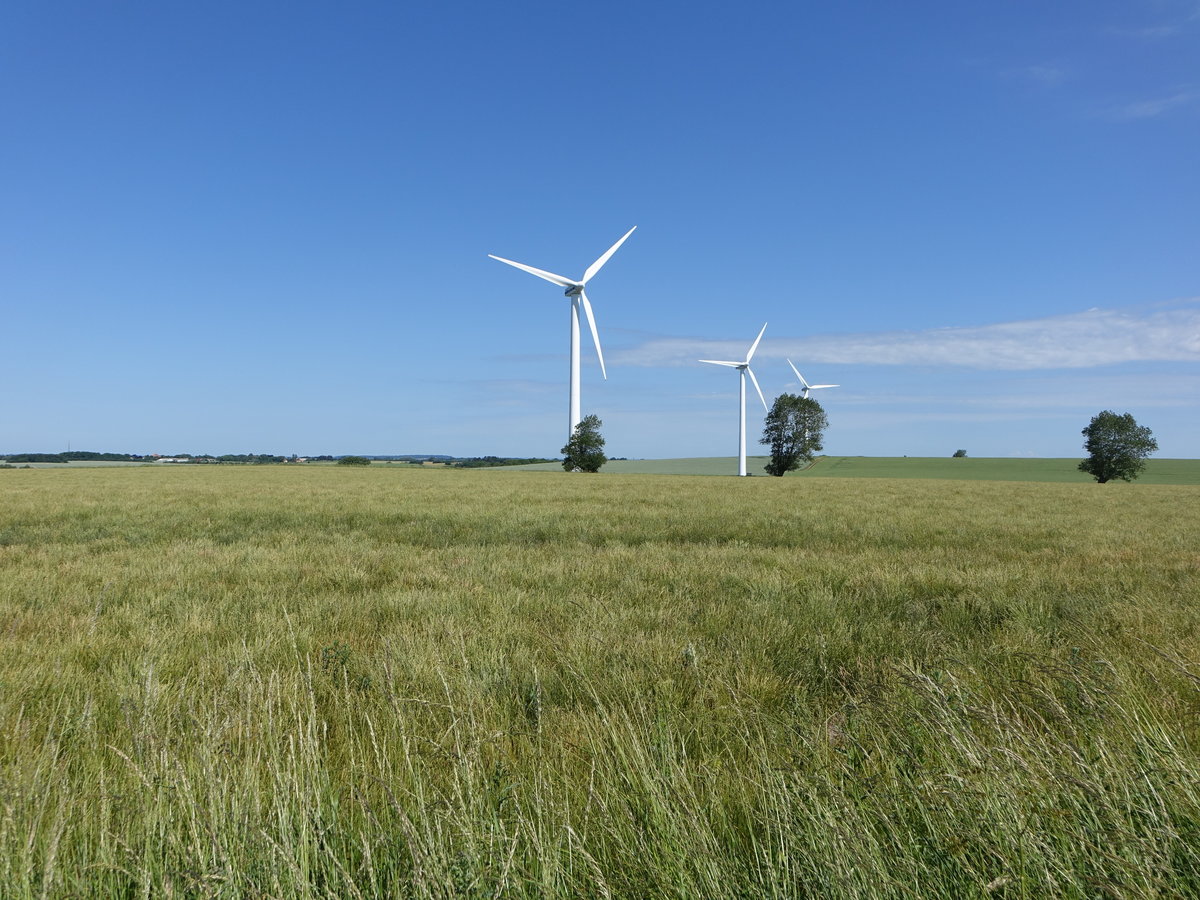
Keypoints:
pixel 1097 337
pixel 1154 107
pixel 1148 32
pixel 1045 74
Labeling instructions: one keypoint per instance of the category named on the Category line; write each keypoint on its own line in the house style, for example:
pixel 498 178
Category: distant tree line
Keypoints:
pixel 245 459
pixel 483 462
pixel 74 455
pixel 90 456
pixel 469 462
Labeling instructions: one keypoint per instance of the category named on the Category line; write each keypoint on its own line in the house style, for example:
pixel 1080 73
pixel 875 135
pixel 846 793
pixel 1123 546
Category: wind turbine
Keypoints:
pixel 808 387
pixel 743 368
pixel 574 290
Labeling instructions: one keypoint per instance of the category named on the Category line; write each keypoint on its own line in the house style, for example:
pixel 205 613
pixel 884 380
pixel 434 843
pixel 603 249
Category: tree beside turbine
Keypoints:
pixel 575 291
pixel 744 369
pixel 805 386
pixel 584 452
pixel 794 431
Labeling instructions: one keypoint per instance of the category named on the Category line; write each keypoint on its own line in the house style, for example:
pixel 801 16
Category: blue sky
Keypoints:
pixel 264 227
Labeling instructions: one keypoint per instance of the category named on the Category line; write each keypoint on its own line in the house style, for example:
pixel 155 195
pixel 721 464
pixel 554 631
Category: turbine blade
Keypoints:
pixel 587 308
pixel 754 346
pixel 798 375
pixel 720 362
pixel 598 264
pixel 815 386
pixel 750 372
pixel 549 276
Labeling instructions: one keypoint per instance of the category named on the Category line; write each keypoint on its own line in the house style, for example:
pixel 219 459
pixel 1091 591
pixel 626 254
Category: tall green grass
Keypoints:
pixel 386 683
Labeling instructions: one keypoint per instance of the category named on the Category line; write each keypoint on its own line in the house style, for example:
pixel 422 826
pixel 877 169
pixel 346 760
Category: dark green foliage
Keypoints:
pixel 353 461
pixel 794 431
pixel 1117 447
pixel 335 657
pixel 68 456
pixel 485 462
pixel 91 455
pixel 960 454
pixel 584 452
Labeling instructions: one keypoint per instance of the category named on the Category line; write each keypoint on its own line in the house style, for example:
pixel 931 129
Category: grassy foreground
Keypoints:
pixel 336 682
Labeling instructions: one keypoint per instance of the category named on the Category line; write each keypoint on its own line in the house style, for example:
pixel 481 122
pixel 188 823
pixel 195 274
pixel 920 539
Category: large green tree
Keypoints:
pixel 1117 447
pixel 794 431
pixel 585 450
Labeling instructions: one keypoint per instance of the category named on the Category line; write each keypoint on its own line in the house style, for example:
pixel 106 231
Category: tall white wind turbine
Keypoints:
pixel 743 368
pixel 808 387
pixel 574 290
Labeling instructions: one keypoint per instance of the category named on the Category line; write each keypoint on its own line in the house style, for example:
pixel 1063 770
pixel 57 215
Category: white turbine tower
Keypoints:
pixel 743 368
pixel 574 290
pixel 808 387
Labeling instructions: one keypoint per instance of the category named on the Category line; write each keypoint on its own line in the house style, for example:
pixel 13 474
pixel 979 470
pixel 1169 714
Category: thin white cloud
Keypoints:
pixel 1097 337
pixel 1060 391
pixel 1153 107
pixel 1149 33
pixel 1045 74
pixel 1173 20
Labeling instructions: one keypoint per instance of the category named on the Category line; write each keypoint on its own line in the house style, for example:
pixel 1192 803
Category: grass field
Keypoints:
pixel 388 682
pixel 1158 471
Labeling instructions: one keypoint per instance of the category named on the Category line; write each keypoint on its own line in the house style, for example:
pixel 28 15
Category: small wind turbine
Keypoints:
pixel 808 387
pixel 574 290
pixel 743 368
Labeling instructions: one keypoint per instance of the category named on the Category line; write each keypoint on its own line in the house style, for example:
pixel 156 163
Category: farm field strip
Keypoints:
pixel 1158 471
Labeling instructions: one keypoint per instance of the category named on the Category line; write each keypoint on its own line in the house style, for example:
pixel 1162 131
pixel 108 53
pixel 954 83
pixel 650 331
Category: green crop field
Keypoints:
pixel 393 682
pixel 1158 471
pixel 701 465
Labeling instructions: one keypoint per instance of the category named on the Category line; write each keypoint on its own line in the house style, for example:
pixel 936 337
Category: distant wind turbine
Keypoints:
pixel 808 387
pixel 743 368
pixel 574 290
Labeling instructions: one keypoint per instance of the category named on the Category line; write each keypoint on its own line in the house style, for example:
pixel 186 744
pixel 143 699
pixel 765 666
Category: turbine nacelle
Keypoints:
pixel 805 386
pixel 743 369
pixel 743 366
pixel 574 290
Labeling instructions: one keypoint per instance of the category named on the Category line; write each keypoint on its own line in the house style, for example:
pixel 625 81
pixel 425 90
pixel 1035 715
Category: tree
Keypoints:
pixel 1117 447
pixel 585 450
pixel 794 431
pixel 960 454
pixel 353 461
